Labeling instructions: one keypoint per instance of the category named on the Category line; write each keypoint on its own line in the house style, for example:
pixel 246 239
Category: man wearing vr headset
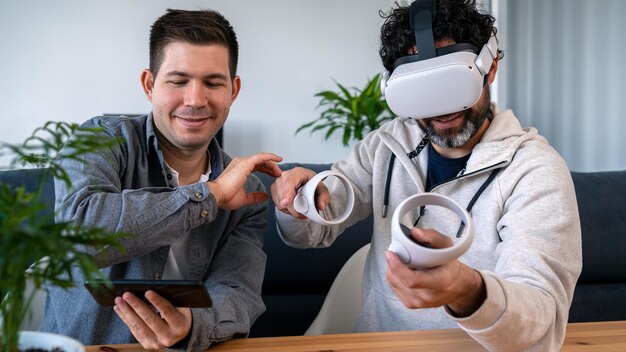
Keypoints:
pixel 512 289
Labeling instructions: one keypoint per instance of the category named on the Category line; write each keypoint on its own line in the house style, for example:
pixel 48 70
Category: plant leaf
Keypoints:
pixel 355 111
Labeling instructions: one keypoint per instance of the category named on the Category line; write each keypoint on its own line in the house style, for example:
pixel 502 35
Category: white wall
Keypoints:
pixel 70 60
pixel 563 74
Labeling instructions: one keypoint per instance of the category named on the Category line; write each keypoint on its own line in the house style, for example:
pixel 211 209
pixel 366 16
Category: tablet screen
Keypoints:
pixel 181 293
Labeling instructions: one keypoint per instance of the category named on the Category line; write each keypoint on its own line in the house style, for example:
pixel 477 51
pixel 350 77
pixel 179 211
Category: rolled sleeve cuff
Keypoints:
pixel 202 205
pixel 489 312
pixel 290 230
pixel 198 192
pixel 202 327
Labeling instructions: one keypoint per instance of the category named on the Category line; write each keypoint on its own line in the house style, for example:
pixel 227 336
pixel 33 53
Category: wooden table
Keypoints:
pixel 595 337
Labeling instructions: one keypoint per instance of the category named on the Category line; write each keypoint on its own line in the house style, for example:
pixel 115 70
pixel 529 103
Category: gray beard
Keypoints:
pixel 473 120
pixel 456 140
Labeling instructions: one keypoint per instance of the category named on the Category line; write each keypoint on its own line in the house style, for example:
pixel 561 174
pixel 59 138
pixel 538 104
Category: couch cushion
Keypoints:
pixel 598 302
pixel 31 179
pixel 602 207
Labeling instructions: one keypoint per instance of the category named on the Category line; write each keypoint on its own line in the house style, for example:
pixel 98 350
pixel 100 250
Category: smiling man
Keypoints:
pixel 512 289
pixel 193 212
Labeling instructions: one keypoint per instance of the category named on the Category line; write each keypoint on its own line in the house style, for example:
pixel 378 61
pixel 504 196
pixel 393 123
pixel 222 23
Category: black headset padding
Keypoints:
pixel 440 52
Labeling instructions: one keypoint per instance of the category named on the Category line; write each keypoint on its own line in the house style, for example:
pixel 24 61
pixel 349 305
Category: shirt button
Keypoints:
pixel 204 213
pixel 198 195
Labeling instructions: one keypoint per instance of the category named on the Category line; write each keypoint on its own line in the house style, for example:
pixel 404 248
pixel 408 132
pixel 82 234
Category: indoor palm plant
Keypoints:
pixel 352 111
pixel 26 236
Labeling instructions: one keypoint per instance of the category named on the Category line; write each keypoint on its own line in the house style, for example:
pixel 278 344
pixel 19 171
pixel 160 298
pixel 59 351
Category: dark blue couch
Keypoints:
pixel 296 281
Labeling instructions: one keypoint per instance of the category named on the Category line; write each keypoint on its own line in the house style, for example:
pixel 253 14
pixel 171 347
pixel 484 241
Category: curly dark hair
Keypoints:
pixel 196 27
pixel 458 20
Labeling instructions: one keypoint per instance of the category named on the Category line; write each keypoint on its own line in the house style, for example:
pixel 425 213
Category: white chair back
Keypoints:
pixel 342 305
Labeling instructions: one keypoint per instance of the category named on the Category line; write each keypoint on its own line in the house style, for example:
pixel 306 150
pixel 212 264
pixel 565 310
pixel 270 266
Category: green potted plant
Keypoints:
pixel 352 111
pixel 27 236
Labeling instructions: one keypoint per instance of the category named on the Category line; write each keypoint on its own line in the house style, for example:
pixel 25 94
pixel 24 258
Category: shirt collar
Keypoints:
pixel 151 138
pixel 215 152
pixel 175 181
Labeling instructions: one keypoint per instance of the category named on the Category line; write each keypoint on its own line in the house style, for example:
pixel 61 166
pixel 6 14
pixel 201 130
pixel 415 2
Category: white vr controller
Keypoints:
pixel 410 252
pixel 304 202
pixel 417 256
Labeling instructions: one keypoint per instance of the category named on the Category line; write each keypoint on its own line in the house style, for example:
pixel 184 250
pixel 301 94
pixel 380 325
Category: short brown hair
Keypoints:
pixel 196 27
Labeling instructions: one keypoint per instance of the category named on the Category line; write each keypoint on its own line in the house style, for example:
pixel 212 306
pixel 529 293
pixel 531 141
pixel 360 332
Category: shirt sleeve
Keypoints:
pixel 538 262
pixel 153 216
pixel 234 283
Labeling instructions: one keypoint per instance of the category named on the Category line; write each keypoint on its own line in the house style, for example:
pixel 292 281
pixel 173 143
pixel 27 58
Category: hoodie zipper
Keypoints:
pixel 474 198
pixel 414 154
pixel 486 168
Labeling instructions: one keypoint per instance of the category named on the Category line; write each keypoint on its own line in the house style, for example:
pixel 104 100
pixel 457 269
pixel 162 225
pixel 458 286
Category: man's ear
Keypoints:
pixel 491 75
pixel 147 83
pixel 236 88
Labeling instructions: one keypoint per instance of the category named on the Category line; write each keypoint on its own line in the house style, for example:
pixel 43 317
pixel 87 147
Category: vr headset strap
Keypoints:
pixel 421 18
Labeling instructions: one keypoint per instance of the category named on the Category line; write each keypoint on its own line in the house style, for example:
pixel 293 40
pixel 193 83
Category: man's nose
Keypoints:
pixel 196 95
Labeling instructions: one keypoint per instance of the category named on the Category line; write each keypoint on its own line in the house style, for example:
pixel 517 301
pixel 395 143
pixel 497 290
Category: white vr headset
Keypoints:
pixel 436 82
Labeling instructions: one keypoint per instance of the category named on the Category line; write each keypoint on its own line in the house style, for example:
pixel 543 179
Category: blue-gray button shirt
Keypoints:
pixel 125 189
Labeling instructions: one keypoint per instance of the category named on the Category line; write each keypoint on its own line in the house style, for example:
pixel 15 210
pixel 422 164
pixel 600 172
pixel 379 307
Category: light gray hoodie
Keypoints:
pixel 527 244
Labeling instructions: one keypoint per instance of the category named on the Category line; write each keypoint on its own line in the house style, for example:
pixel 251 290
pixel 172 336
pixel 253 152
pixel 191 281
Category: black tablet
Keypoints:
pixel 181 293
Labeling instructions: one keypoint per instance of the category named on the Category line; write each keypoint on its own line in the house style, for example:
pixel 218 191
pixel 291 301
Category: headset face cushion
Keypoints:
pixel 434 87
